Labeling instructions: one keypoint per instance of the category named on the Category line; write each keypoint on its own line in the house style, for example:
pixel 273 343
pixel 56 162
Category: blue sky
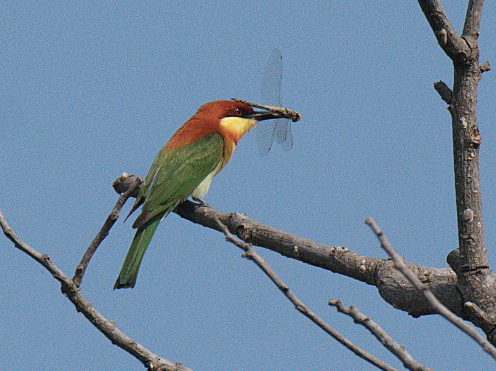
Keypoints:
pixel 91 90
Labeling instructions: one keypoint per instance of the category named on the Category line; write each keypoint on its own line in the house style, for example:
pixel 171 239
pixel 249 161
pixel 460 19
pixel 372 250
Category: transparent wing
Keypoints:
pixel 282 133
pixel 265 135
pixel 271 95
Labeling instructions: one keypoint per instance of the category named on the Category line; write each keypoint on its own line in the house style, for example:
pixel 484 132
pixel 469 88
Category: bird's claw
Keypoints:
pixel 200 201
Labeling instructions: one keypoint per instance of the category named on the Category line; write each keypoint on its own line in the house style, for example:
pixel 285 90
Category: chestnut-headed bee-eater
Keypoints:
pixel 184 167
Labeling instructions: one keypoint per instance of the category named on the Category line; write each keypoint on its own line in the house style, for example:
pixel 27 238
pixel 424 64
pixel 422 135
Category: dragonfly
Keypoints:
pixel 278 129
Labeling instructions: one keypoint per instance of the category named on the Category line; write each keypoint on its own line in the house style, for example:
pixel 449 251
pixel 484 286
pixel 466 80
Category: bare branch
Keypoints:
pixel 392 286
pixel 472 22
pixel 444 91
pixel 337 258
pixel 105 326
pixel 424 289
pixel 452 44
pixel 475 280
pixel 397 349
pixel 104 231
pixel 251 254
pixel 124 182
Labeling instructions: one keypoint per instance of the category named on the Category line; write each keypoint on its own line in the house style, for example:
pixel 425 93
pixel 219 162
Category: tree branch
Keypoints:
pixel 397 349
pixel 424 289
pixel 105 326
pixel 444 91
pixel 104 231
pixel 453 45
pixel 251 254
pixel 472 22
pixel 475 280
pixel 392 286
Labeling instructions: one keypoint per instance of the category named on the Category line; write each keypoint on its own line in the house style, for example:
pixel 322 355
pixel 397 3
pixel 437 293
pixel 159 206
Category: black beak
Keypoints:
pixel 263 115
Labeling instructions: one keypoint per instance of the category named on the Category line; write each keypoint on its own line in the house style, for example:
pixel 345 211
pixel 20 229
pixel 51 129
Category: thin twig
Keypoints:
pixel 105 326
pixel 394 347
pixel 104 231
pixel 426 291
pixel 251 254
pixel 283 112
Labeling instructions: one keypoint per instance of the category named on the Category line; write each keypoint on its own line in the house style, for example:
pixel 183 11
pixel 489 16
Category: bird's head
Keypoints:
pixel 230 119
pixel 233 118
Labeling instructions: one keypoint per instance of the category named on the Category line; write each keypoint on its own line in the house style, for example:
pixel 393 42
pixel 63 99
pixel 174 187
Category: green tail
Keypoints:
pixel 129 271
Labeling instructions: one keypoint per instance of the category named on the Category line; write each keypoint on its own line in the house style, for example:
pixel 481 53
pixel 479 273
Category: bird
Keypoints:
pixel 184 167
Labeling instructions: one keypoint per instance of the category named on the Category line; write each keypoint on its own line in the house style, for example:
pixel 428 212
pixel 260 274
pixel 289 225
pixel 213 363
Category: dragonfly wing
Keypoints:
pixel 271 95
pixel 265 135
pixel 271 82
pixel 282 133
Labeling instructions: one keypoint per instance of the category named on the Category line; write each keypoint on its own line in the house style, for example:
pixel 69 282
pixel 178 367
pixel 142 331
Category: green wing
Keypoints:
pixel 173 176
pixel 176 173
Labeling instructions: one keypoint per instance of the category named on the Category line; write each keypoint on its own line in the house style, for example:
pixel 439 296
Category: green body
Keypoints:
pixel 175 174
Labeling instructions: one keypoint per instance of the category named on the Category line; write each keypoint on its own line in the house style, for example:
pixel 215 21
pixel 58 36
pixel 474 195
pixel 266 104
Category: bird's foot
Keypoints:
pixel 200 201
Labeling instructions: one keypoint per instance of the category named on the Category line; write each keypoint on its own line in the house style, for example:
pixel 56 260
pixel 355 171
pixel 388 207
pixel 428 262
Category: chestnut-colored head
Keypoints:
pixel 230 119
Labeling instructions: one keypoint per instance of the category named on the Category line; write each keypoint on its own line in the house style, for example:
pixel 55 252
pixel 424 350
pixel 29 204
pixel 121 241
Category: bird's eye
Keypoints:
pixel 238 111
